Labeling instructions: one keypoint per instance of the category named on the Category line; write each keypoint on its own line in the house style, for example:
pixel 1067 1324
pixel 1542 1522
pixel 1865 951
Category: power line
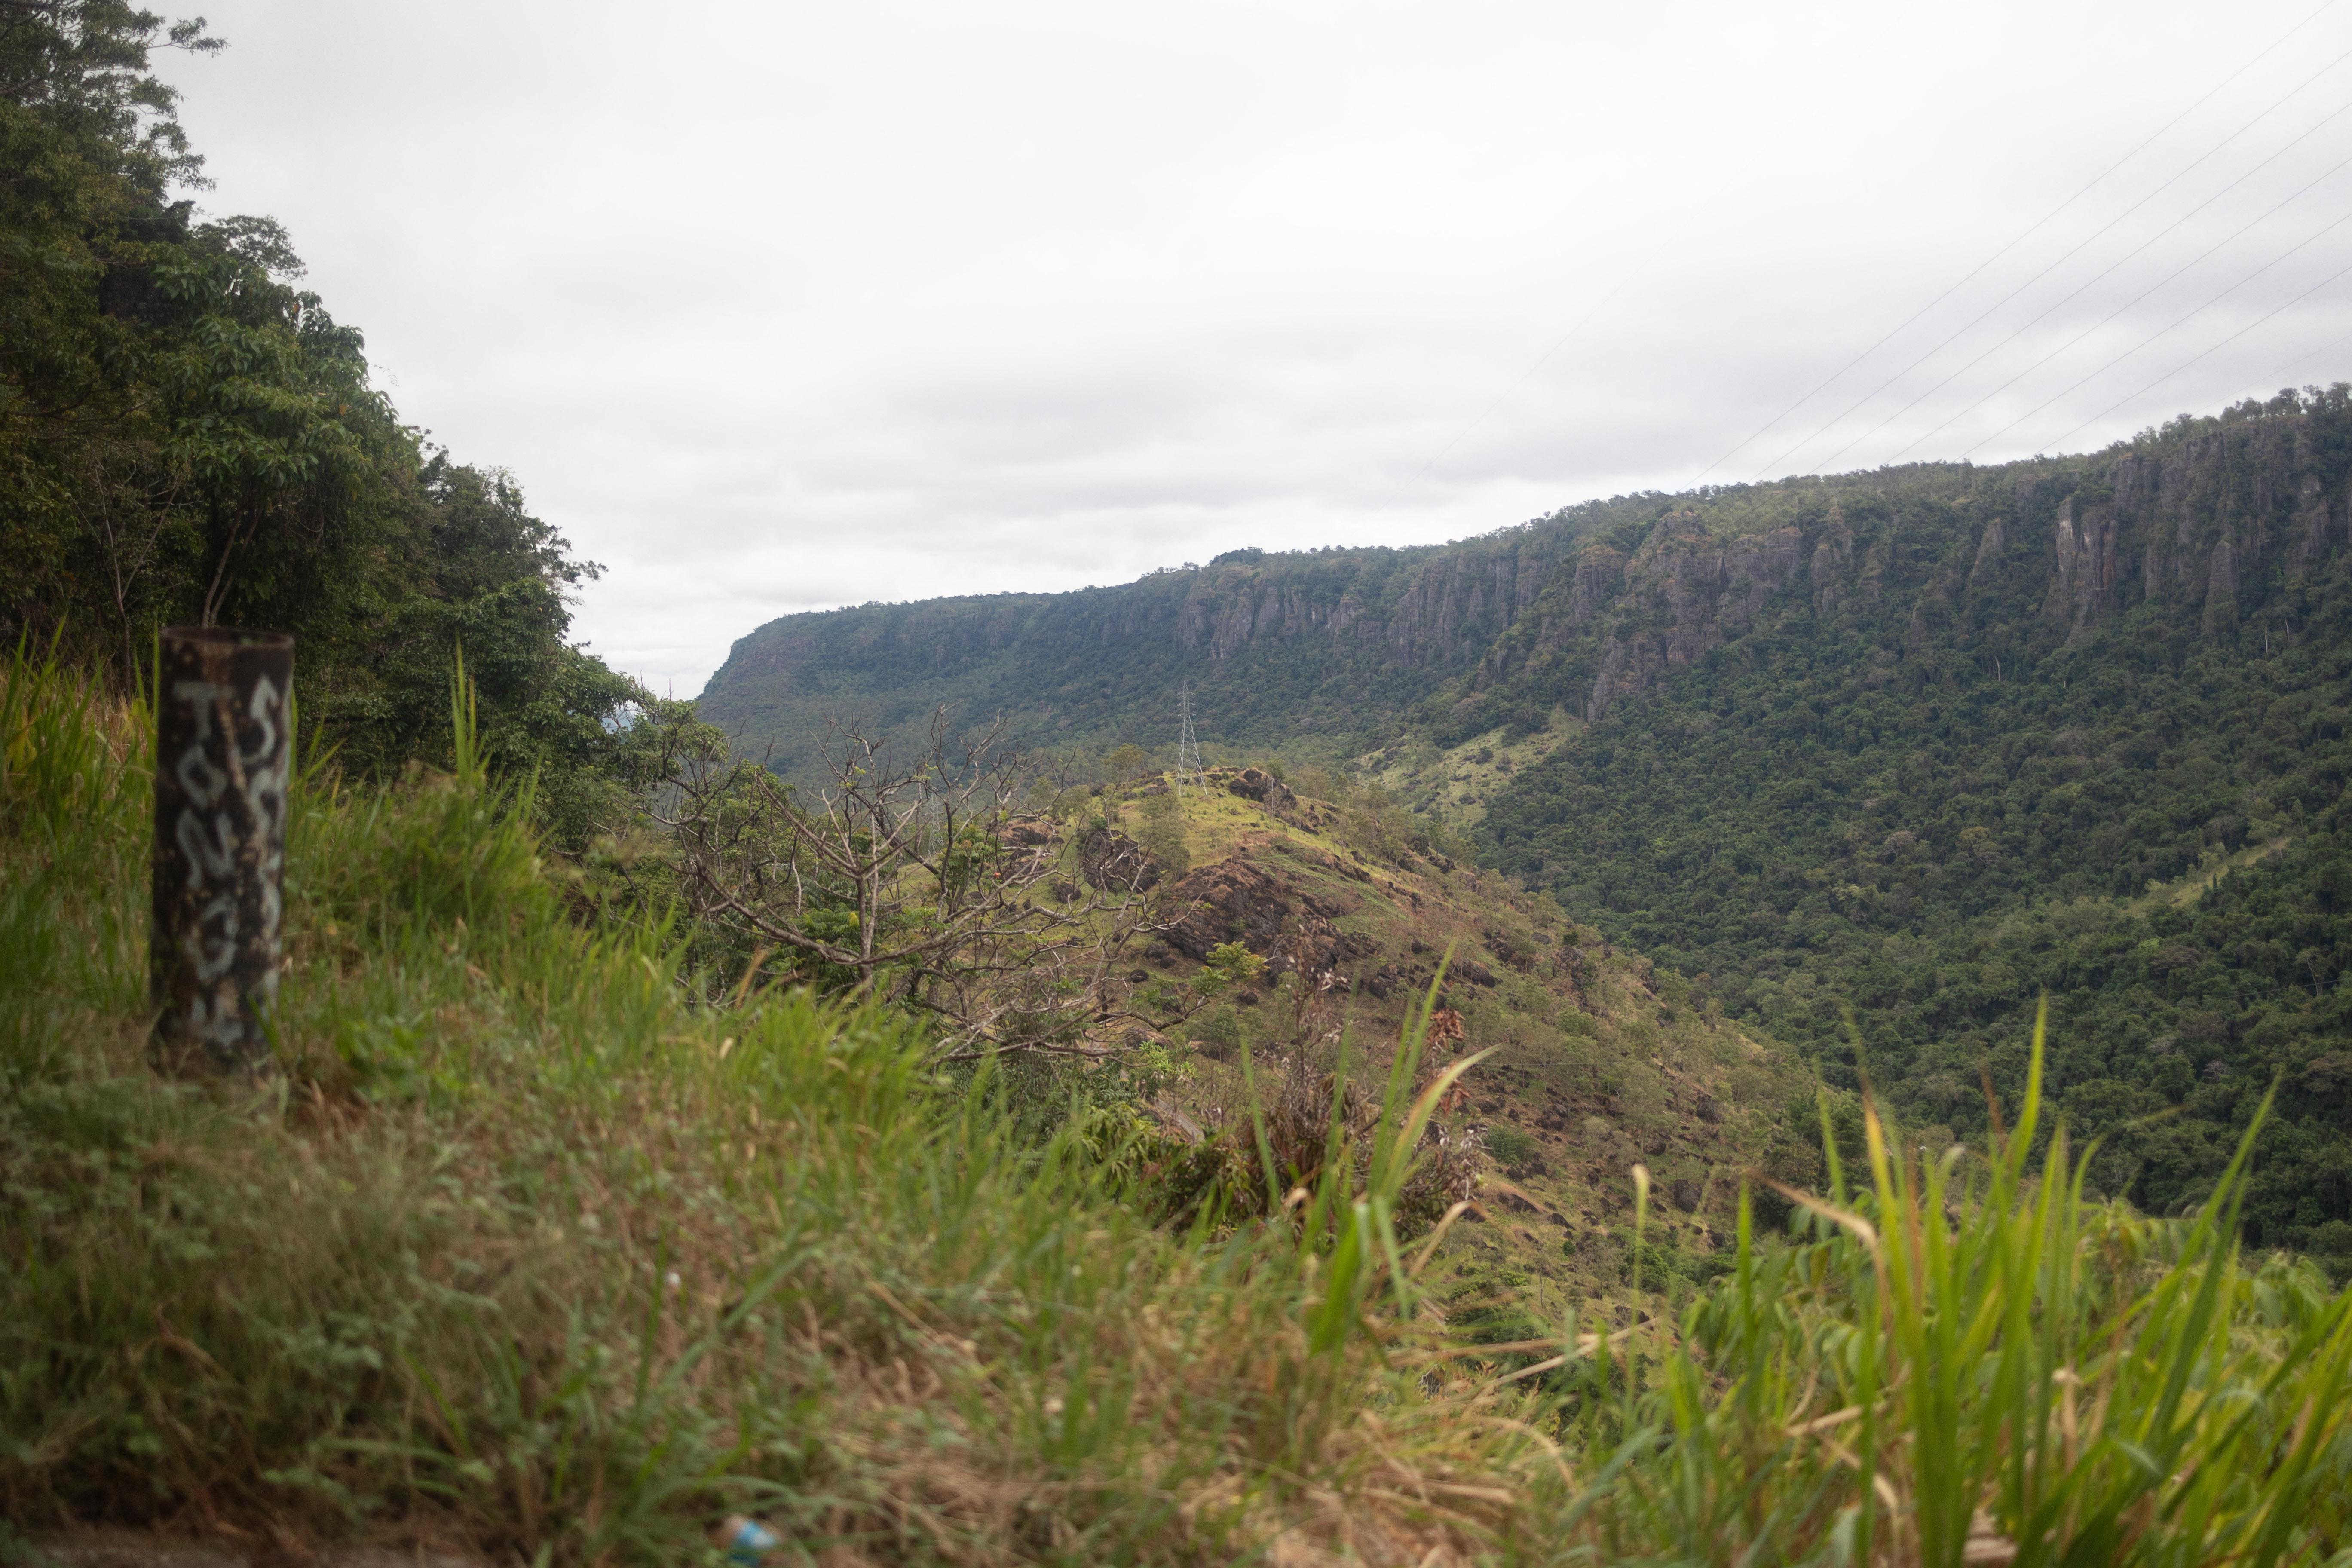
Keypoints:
pixel 2168 375
pixel 2099 232
pixel 2273 211
pixel 2023 235
pixel 2225 343
pixel 2295 364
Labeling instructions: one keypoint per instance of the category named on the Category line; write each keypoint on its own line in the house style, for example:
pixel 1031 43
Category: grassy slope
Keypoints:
pixel 1600 1059
pixel 529 1256
pixel 1453 784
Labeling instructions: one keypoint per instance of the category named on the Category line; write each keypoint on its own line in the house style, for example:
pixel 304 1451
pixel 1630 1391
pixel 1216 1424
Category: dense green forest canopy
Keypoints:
pixel 187 435
pixel 1888 761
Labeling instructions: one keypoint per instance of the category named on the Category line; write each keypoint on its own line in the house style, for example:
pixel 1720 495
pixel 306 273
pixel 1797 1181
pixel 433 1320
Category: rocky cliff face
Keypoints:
pixel 2008 564
pixel 1333 637
pixel 1685 592
pixel 1408 608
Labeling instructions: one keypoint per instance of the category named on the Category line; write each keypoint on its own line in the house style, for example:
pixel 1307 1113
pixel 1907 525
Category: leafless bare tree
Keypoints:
pixel 919 880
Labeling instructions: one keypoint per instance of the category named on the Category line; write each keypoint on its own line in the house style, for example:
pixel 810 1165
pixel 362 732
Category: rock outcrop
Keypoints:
pixel 1113 862
pixel 2220 610
pixel 1238 900
pixel 2083 570
pixel 1256 783
pixel 1687 591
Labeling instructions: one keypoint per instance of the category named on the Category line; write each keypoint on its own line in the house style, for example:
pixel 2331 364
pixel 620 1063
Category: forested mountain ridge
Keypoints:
pixel 2215 524
pixel 1325 644
pixel 1569 612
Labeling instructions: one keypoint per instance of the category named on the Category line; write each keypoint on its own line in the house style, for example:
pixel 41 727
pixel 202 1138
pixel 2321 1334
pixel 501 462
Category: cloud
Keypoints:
pixel 778 307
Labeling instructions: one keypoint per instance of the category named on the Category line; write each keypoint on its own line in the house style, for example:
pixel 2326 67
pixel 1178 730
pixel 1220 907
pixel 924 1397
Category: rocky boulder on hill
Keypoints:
pixel 1471 969
pixel 1258 785
pixel 1028 845
pixel 1234 901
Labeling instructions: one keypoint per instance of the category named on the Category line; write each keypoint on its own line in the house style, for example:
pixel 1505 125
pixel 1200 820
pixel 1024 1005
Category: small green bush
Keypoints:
pixel 1217 1031
pixel 1510 1145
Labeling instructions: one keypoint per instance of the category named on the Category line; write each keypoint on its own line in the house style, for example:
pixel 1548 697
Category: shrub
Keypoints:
pixel 1510 1145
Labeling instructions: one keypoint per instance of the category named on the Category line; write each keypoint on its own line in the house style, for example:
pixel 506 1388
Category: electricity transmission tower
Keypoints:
pixel 1188 750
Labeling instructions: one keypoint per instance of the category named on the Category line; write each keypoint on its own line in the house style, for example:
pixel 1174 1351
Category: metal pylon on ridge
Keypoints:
pixel 1188 750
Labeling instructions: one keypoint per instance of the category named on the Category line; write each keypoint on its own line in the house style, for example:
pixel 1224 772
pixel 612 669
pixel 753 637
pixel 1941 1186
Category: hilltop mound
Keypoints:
pixel 1600 1060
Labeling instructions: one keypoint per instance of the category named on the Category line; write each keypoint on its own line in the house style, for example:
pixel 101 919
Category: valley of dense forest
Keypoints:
pixel 1564 1084
pixel 1890 766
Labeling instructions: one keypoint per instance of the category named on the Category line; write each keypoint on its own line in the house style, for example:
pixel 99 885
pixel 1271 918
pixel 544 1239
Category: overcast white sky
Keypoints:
pixel 780 306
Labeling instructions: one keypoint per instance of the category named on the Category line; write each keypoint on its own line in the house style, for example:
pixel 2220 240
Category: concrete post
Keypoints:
pixel 223 749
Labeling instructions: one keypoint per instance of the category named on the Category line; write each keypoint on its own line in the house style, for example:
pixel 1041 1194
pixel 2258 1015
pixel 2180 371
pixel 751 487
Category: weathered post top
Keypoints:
pixel 222 753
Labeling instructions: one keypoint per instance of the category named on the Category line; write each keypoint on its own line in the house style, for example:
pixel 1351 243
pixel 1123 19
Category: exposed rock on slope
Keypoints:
pixel 1684 592
pixel 1235 900
pixel 1254 784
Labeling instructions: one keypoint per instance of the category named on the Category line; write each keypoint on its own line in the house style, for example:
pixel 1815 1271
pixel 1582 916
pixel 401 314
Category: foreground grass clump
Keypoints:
pixel 1965 1362
pixel 531 1254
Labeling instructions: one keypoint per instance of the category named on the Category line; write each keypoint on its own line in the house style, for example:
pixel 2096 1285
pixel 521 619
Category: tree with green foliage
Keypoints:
pixel 1163 832
pixel 186 435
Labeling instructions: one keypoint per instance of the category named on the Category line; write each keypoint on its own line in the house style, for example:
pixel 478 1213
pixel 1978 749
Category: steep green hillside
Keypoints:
pixel 1599 1061
pixel 1924 744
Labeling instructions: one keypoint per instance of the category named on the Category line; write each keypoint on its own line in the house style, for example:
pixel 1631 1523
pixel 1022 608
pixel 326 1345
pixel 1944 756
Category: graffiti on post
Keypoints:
pixel 222 753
